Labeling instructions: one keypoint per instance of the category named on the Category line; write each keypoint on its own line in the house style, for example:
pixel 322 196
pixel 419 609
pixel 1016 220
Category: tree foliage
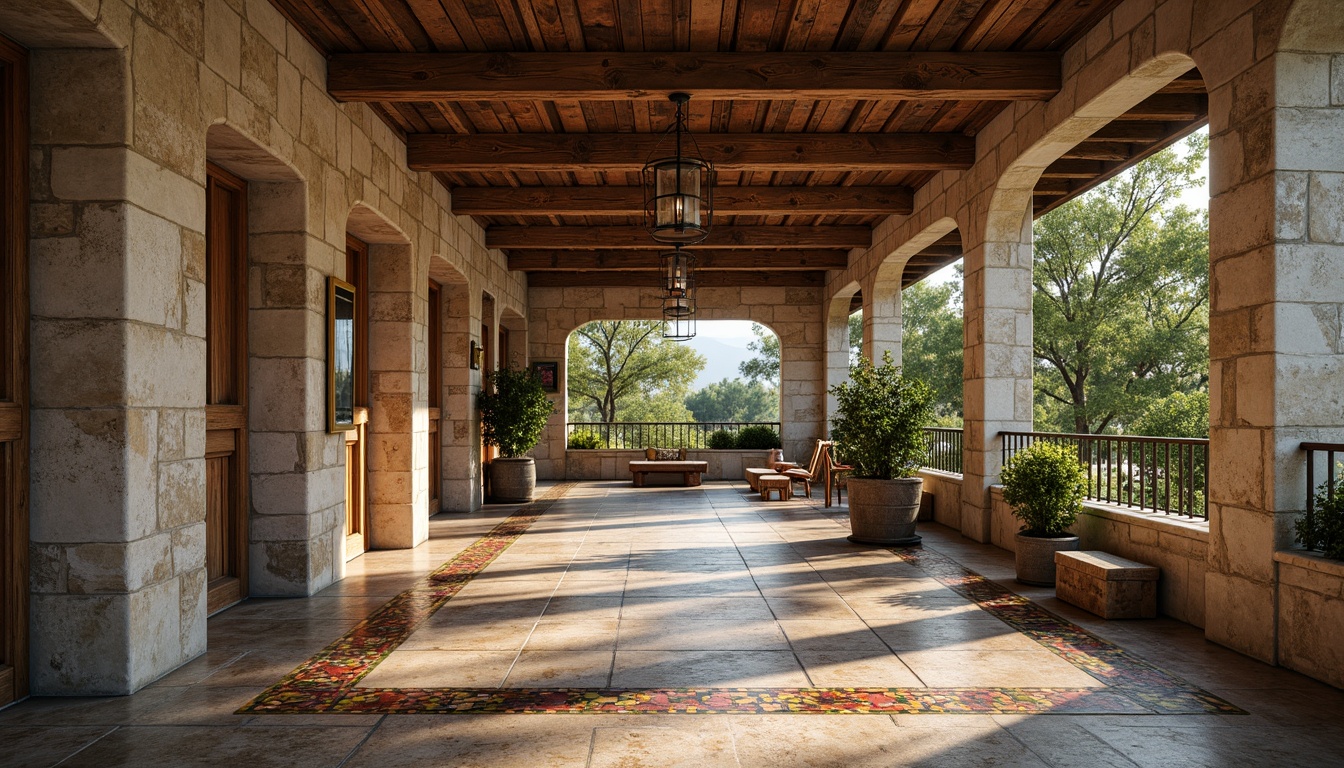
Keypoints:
pixel 514 410
pixel 734 400
pixel 880 419
pixel 1121 296
pixel 764 367
pixel 1180 414
pixel 931 342
pixel 623 370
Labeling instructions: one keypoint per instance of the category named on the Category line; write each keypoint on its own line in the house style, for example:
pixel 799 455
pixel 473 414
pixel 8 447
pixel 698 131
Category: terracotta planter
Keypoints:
pixel 512 481
pixel 884 511
pixel 1036 557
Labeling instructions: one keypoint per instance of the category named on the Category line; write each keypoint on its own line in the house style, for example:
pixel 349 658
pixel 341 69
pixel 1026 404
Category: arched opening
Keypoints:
pixel 254 214
pixel 845 306
pixel 392 485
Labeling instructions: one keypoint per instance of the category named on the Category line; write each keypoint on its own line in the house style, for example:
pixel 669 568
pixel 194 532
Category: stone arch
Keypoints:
pixel 837 340
pixel 398 429
pixel 882 325
pixel 459 435
pixel 283 325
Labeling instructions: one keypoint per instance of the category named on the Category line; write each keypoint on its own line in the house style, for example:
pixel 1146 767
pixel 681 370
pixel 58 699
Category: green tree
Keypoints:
pixel 1121 299
pixel 931 343
pixel 1180 414
pixel 624 370
pixel 734 400
pixel 855 337
pixel 764 367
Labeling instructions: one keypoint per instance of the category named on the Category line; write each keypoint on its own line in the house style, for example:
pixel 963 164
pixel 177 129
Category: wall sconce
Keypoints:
pixel 477 356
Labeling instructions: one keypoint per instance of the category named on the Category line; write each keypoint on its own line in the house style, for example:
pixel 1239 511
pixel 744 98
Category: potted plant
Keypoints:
pixel 1045 484
pixel 514 409
pixel 879 431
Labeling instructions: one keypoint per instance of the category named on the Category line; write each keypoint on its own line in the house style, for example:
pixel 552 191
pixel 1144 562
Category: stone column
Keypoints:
pixel 837 343
pixel 459 430
pixel 882 316
pixel 998 354
pixel 398 434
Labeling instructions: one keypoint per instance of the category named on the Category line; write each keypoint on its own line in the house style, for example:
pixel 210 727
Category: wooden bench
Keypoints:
pixel 775 482
pixel 753 474
pixel 1107 585
pixel 690 471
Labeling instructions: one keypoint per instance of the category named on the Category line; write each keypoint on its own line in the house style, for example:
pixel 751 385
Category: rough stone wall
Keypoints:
pixel 794 314
pixel 118 173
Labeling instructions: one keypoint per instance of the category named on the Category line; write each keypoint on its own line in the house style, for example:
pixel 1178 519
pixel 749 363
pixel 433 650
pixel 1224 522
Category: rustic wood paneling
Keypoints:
pixel 775 261
pixel 629 200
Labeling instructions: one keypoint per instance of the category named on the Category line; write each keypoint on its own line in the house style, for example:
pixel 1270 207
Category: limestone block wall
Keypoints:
pixel 946 490
pixel 1311 615
pixel 794 314
pixel 124 97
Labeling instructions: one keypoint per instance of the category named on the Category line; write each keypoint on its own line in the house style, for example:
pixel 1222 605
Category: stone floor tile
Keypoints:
pixel 477 741
pixel 573 635
pixel 831 634
pixel 848 668
pixel 961 632
pixel 188 747
pixel 637 607
pixel 701 635
pixel 571 608
pixel 996 669
pixel 39 746
pixel 561 669
pixel 440 669
pixel 688 669
pixel 499 635
pixel 624 747
pixel 794 607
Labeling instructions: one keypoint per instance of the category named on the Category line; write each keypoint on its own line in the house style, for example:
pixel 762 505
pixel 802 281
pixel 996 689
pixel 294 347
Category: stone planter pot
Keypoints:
pixel 1036 557
pixel 884 511
pixel 512 481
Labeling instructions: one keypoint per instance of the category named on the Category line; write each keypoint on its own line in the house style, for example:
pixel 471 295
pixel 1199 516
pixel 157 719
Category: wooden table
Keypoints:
pixel 690 471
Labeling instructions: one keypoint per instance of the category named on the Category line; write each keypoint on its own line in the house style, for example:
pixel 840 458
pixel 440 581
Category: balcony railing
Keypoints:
pixel 944 449
pixel 660 434
pixel 1321 456
pixel 1163 474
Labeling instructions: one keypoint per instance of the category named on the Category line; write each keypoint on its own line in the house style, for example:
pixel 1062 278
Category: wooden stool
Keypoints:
pixel 781 483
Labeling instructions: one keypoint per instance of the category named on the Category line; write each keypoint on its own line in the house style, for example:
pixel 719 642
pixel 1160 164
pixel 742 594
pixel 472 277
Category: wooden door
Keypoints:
pixel 356 489
pixel 503 347
pixel 13 373
pixel 226 481
pixel 488 452
pixel 435 396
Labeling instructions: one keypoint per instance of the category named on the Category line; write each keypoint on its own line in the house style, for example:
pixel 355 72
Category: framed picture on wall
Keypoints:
pixel 340 355
pixel 548 374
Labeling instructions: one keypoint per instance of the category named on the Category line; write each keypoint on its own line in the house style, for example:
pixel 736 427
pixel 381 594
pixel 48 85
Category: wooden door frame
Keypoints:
pixel 434 319
pixel 357 274
pixel 14 417
pixel 221 418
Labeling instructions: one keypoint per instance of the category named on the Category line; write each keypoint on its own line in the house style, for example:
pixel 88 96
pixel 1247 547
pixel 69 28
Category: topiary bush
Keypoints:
pixel 584 441
pixel 514 409
pixel 1324 532
pixel 722 440
pixel 1045 483
pixel 757 437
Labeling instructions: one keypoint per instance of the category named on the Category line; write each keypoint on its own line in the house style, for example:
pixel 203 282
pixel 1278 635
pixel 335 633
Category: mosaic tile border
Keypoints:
pixel 326 682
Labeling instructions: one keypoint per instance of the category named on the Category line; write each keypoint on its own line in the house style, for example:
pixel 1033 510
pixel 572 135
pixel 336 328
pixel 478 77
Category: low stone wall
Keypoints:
pixel 946 490
pixel 615 464
pixel 1177 545
pixel 1311 614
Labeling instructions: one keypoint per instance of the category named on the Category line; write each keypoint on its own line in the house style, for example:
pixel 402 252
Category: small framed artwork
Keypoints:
pixel 548 374
pixel 340 355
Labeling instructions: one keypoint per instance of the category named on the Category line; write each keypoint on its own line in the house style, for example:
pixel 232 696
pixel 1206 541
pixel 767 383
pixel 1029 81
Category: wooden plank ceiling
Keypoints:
pixel 822 116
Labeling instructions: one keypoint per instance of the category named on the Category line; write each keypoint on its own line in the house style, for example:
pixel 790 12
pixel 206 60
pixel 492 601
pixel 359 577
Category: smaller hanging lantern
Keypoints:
pixel 678 190
pixel 678 270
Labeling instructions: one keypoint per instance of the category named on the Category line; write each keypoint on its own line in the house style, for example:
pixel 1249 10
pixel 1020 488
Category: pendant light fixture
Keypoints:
pixel 678 270
pixel 678 189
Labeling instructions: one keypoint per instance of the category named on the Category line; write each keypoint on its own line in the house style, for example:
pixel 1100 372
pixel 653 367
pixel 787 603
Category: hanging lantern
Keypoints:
pixel 678 190
pixel 678 270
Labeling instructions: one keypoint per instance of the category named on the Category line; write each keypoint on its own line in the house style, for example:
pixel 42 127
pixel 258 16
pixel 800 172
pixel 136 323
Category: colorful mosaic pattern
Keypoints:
pixel 326 682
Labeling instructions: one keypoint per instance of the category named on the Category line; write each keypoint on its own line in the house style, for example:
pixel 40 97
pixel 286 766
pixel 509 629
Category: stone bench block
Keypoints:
pixel 1107 585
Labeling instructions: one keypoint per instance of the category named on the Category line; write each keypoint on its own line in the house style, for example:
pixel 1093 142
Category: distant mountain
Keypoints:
pixel 721 359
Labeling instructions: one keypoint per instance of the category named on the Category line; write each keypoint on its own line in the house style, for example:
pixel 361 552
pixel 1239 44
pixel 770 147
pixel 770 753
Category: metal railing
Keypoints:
pixel 1164 474
pixel 944 449
pixel 1332 466
pixel 659 434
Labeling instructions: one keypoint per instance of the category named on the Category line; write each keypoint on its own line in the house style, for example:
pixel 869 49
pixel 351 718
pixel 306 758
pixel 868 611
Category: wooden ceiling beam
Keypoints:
pixel 569 261
pixel 637 238
pixel 607 76
pixel 703 279
pixel 764 201
pixel 518 152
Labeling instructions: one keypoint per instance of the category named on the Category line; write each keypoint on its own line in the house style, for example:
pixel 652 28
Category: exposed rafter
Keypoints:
pixel 634 261
pixel 833 152
pixel 703 279
pixel 607 76
pixel 765 201
pixel 766 237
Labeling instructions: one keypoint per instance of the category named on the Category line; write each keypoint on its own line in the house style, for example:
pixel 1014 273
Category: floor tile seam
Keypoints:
pixel 365 740
pixel 111 730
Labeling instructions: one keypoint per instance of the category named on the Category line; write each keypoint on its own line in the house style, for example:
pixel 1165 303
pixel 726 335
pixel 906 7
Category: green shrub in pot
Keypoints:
pixel 1045 484
pixel 514 410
